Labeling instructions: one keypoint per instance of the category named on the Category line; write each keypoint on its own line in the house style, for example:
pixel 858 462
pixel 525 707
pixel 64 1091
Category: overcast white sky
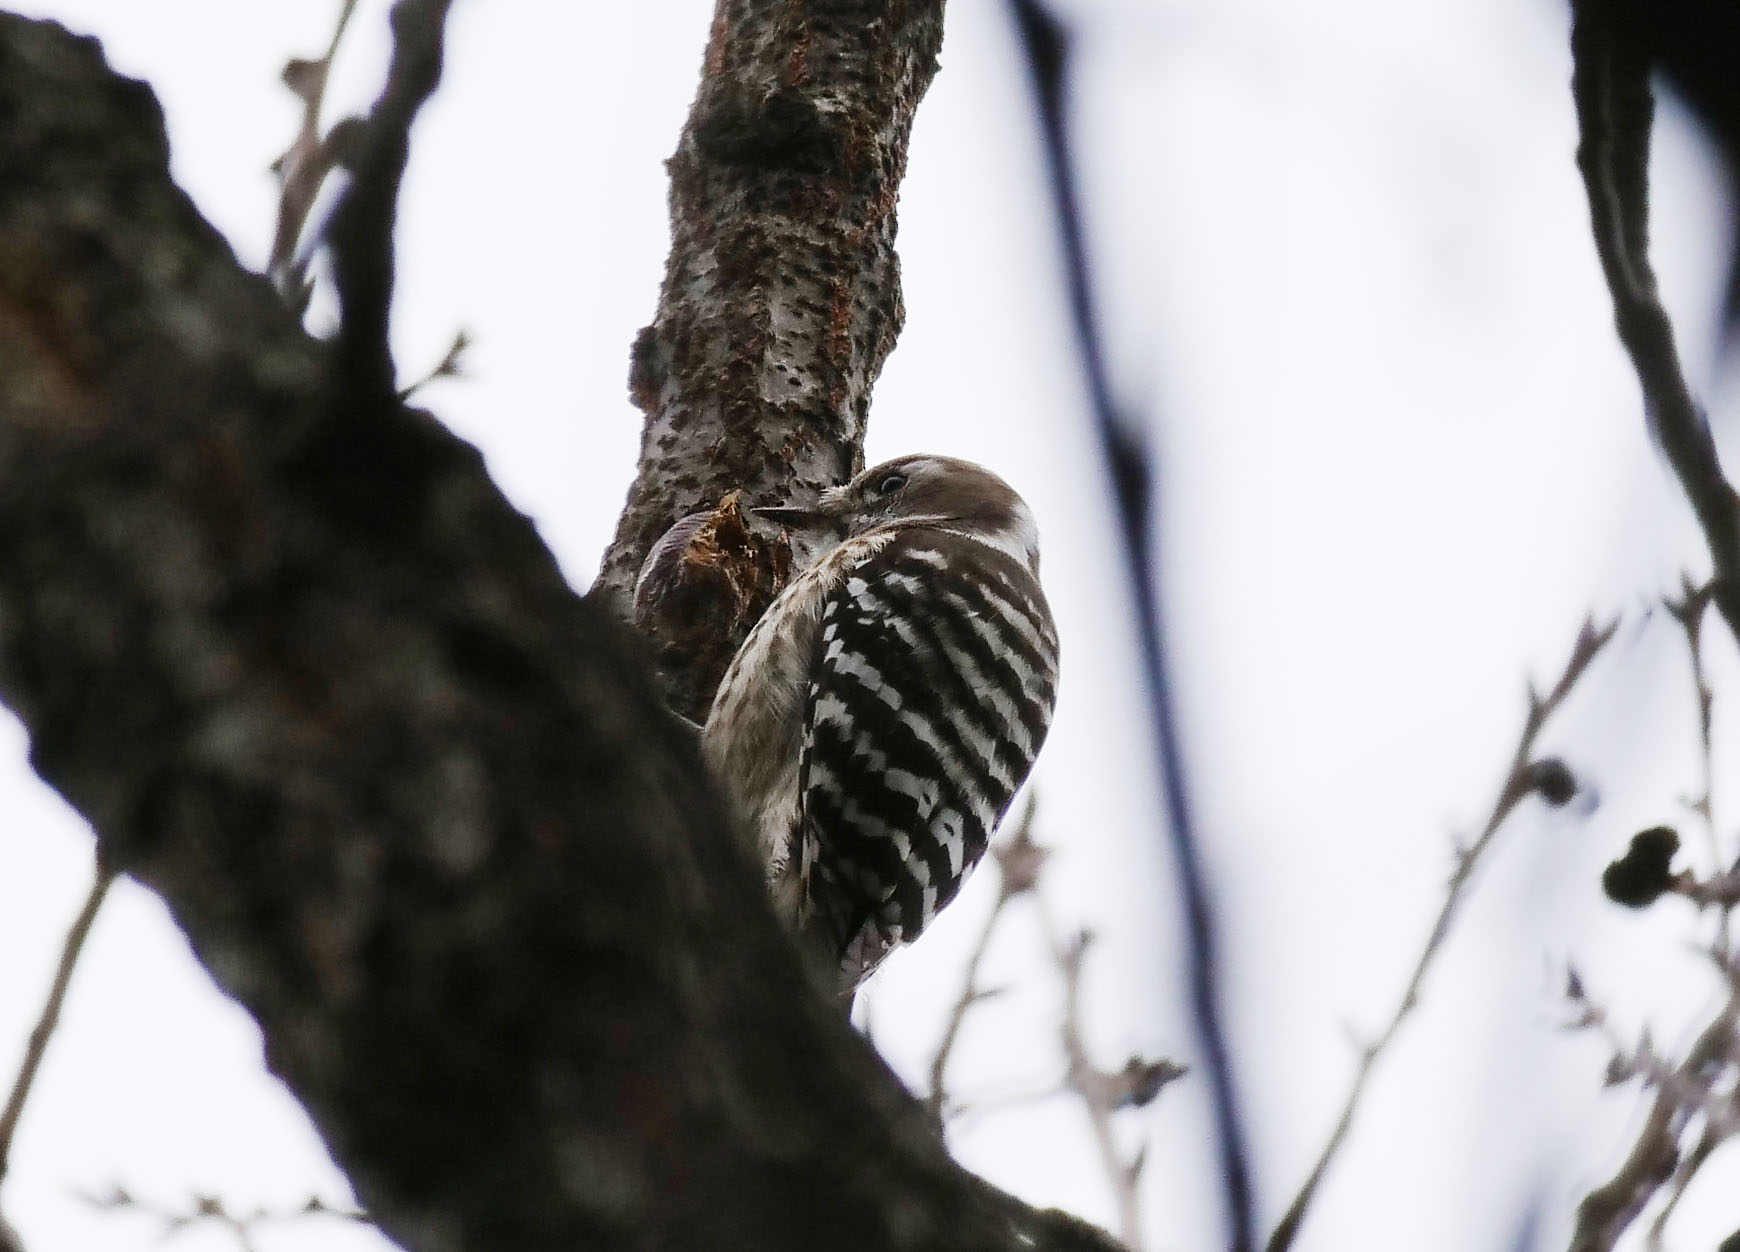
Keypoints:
pixel 1347 274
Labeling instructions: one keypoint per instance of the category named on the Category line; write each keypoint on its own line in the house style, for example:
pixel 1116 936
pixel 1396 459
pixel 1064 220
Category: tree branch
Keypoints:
pixel 415 804
pixel 211 1210
pixel 361 231
pixel 1700 1088
pixel 781 296
pixel 303 169
pixel 37 1048
pixel 1527 776
pixel 1097 1090
pixel 1615 109
pixel 1019 861
pixel 1683 1093
pixel 1103 1093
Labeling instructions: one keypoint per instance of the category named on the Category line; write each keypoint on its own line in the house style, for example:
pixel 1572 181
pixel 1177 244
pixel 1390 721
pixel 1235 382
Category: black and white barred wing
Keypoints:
pixel 929 700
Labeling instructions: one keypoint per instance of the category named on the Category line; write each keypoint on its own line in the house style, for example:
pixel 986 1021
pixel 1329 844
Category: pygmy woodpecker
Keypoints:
pixel 875 724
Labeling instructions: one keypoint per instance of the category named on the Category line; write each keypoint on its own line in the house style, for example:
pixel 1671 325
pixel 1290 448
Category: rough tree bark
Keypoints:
pixel 415 803
pixel 781 296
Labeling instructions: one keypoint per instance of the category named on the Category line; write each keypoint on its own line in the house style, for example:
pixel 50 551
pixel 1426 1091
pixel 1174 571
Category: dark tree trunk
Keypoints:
pixel 415 803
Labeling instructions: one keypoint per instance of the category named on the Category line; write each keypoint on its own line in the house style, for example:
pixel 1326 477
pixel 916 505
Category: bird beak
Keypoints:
pixel 797 518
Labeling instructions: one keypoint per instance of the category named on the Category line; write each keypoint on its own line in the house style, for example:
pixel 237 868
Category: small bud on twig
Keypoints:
pixel 1552 780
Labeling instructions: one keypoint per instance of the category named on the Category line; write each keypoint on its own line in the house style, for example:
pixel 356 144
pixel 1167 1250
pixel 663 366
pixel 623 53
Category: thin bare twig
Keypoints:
pixel 1084 1079
pixel 1125 1174
pixel 1019 860
pixel 1103 1093
pixel 1688 611
pixel 1696 1087
pixel 1683 1091
pixel 50 1018
pixel 971 996
pixel 304 168
pixel 208 1210
pixel 450 366
pixel 965 1110
pixel 1527 776
pixel 1713 1137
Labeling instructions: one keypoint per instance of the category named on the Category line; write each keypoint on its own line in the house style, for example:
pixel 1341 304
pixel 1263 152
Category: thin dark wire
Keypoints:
pixel 1131 466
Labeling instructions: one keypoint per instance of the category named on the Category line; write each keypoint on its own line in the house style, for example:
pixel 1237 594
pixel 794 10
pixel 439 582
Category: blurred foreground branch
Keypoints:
pixel 1615 112
pixel 1131 467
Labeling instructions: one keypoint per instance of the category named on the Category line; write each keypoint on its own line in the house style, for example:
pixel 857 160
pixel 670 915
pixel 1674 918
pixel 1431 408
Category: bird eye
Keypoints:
pixel 890 484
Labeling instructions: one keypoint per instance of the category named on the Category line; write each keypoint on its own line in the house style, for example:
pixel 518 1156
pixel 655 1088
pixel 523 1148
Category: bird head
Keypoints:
pixel 936 491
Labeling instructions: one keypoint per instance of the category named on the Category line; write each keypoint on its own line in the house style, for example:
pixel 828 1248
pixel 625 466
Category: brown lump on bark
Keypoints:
pixel 706 581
